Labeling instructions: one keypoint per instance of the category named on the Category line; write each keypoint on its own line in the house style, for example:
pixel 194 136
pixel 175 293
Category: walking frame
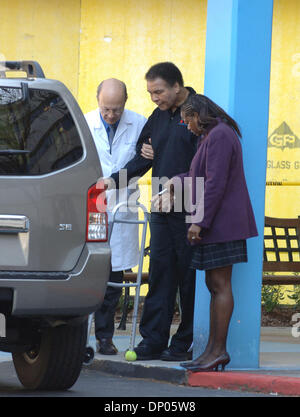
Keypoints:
pixel 90 353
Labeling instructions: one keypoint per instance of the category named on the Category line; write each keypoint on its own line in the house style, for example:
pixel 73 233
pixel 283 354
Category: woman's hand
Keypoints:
pixel 194 234
pixel 147 150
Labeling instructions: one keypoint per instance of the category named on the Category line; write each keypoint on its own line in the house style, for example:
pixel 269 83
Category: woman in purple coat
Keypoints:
pixel 219 234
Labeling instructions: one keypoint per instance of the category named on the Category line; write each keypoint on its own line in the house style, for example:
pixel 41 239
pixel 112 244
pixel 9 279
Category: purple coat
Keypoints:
pixel 228 213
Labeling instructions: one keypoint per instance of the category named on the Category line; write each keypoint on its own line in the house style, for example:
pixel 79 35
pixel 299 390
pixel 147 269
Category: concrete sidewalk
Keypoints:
pixel 279 370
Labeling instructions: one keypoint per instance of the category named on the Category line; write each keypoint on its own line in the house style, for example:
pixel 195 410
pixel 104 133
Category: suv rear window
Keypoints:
pixel 37 132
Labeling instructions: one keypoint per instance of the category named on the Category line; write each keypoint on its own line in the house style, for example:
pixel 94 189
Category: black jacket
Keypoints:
pixel 174 146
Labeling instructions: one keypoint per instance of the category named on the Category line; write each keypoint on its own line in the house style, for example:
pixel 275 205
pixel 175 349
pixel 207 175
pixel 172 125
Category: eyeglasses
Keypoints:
pixel 116 112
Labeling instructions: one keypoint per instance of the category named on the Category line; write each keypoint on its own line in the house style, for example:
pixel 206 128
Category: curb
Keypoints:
pixel 243 381
pixel 134 370
pixel 229 380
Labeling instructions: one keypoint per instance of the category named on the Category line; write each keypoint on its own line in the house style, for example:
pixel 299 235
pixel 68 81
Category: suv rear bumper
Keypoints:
pixel 77 293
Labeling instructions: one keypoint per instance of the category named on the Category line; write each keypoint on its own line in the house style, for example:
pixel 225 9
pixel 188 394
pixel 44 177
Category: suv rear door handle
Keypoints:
pixel 10 223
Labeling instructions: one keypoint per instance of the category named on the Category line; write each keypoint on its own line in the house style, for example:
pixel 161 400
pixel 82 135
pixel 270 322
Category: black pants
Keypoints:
pixel 104 317
pixel 170 257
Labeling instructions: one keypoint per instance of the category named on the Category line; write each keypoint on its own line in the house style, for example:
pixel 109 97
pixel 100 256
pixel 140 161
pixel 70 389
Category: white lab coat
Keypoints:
pixel 124 240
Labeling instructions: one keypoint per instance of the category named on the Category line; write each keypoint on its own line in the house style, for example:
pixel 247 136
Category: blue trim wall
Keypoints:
pixel 237 77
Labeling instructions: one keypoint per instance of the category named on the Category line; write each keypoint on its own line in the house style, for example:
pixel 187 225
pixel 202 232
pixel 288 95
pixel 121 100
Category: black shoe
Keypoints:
pixel 145 352
pixel 173 355
pixel 105 346
pixel 213 365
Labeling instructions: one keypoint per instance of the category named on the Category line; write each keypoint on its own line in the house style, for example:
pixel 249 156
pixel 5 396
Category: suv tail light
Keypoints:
pixel 97 221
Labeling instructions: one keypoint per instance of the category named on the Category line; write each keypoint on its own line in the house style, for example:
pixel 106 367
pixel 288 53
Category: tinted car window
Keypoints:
pixel 37 132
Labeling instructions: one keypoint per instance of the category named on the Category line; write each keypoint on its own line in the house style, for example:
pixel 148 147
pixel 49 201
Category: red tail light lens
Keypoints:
pixel 97 221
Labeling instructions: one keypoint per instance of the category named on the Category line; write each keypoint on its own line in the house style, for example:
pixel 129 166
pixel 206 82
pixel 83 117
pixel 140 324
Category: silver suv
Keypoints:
pixel 54 254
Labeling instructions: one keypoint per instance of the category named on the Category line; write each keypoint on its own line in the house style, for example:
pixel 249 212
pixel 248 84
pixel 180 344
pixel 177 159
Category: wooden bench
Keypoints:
pixel 281 251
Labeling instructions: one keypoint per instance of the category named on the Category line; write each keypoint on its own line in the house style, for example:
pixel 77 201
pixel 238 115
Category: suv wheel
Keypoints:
pixel 55 363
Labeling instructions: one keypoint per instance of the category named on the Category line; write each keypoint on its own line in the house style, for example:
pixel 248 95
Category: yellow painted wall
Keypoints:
pixel 58 33
pixel 43 31
pixel 284 120
pixel 142 33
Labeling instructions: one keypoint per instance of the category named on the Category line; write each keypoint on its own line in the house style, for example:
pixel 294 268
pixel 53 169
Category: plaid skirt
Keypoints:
pixel 216 255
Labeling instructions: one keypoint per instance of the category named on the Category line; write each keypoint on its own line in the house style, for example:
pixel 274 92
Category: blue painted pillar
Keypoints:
pixel 237 77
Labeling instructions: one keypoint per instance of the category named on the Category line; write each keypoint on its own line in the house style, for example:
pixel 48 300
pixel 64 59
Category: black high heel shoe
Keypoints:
pixel 214 365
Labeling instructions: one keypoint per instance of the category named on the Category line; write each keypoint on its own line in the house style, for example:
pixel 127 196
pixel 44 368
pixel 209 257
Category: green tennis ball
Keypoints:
pixel 130 356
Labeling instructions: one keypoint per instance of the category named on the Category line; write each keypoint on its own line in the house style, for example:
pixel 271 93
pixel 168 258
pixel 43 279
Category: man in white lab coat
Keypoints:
pixel 115 131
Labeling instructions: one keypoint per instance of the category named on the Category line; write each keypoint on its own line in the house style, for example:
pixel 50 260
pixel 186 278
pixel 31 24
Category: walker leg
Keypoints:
pixel 89 350
pixel 122 325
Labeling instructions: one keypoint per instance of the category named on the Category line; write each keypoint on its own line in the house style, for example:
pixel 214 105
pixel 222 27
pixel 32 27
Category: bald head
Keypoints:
pixel 112 85
pixel 111 96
